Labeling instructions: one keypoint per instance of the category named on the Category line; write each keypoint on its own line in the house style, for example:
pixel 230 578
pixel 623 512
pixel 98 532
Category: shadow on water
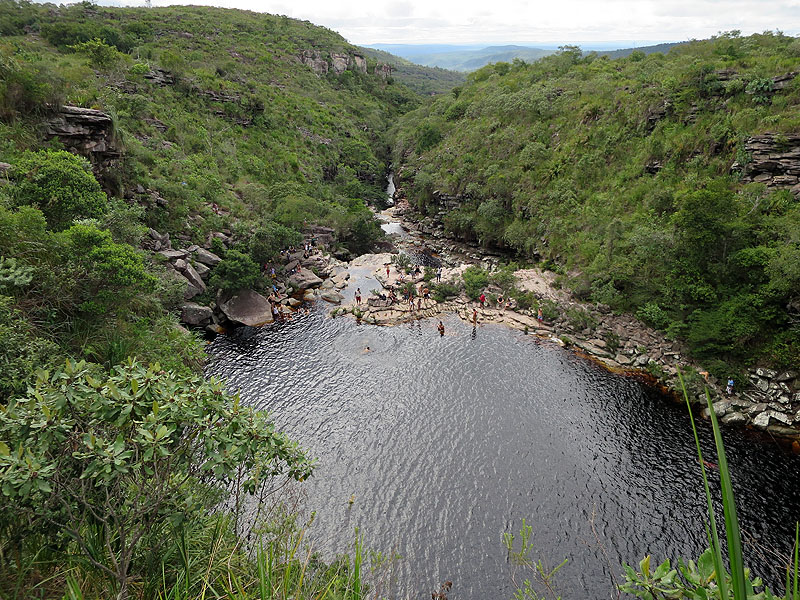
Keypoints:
pixel 445 442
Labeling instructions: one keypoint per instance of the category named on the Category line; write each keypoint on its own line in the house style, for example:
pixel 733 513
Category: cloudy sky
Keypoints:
pixel 479 21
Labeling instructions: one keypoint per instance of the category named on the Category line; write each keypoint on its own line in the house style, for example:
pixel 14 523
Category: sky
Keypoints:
pixel 366 22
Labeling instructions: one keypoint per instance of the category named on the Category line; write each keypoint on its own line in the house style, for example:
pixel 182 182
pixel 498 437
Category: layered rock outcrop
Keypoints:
pixel 339 62
pixel 774 161
pixel 87 132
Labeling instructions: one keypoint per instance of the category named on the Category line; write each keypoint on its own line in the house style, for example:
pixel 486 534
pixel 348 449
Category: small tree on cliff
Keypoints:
pixel 111 460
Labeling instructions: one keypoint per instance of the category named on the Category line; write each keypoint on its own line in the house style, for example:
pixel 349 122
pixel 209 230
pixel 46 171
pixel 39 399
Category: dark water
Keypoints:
pixel 444 443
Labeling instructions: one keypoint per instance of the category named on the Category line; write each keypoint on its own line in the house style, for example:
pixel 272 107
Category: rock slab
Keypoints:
pixel 248 308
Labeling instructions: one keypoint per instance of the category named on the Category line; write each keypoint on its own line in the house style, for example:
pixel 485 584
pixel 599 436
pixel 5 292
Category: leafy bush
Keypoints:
pixel 104 276
pixel 444 290
pixel 22 351
pixel 109 460
pixel 475 280
pixel 652 314
pixel 59 184
pixel 269 239
pixel 235 272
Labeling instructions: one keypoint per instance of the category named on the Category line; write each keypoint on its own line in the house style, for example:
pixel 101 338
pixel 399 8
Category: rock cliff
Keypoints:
pixel 774 161
pixel 87 132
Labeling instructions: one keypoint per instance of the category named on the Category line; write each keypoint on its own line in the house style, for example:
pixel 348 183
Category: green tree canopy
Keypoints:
pixel 122 456
pixel 60 184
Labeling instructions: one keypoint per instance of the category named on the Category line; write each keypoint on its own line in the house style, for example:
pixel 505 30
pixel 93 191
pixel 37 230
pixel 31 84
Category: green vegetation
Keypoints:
pixel 111 483
pixel 115 465
pixel 621 173
pixel 428 80
pixel 708 577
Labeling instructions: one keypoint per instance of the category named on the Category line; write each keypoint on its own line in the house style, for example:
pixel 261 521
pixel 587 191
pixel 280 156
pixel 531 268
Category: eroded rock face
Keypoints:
pixel 360 63
pixel 383 71
pixel 247 307
pixel 87 132
pixel 313 59
pixel 340 62
pixel 775 161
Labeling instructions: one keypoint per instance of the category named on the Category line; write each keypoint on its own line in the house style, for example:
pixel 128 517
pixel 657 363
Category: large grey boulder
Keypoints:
pixel 206 257
pixel 173 254
pixel 196 314
pixel 248 308
pixel 304 279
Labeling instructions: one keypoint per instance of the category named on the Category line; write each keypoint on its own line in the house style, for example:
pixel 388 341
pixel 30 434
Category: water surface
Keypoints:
pixel 444 443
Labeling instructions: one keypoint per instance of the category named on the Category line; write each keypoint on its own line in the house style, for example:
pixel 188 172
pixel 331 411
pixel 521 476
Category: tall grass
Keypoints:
pixel 709 578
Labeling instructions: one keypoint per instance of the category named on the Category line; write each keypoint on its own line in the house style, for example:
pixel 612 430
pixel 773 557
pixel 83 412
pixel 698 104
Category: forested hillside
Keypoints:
pixel 424 80
pixel 197 121
pixel 665 185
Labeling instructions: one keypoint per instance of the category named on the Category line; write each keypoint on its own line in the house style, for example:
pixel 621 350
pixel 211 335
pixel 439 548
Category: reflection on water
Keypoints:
pixel 444 443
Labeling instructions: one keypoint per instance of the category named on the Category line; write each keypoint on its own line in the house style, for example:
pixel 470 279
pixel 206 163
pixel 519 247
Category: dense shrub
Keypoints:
pixel 475 280
pixel 59 184
pixel 235 272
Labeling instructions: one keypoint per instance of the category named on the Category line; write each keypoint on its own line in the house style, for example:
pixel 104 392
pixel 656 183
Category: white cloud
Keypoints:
pixel 476 21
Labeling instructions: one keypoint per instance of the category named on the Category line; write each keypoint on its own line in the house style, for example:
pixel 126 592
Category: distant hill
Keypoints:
pixel 421 79
pixel 464 58
pixel 623 52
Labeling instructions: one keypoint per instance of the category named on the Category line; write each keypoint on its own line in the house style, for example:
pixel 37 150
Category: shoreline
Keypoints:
pixel 769 405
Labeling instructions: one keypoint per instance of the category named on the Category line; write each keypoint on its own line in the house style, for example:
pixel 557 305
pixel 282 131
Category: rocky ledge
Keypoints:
pixel 770 401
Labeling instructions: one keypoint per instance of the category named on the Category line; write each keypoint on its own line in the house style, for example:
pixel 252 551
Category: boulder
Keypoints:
pixel 206 257
pixel 293 302
pixel 172 255
pixel 195 314
pixel 190 291
pixel 201 269
pixel 734 418
pixel 332 297
pixel 761 420
pixel 308 296
pixel 193 277
pixel 304 279
pixel 248 308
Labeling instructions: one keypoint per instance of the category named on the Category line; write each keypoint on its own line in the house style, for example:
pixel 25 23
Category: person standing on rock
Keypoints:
pixel 482 299
pixel 540 316
pixel 387 272
pixel 358 295
pixel 729 389
pixel 439 275
pixel 474 316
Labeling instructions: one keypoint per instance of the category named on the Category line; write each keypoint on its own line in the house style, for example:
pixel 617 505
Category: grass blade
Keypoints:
pixel 732 533
pixel 716 550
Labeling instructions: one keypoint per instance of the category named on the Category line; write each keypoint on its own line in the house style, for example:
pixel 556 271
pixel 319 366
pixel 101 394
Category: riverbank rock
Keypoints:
pixel 196 314
pixel 304 279
pixel 332 297
pixel 247 307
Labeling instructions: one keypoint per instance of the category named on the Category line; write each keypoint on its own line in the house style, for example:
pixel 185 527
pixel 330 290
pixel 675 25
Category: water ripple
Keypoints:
pixel 444 443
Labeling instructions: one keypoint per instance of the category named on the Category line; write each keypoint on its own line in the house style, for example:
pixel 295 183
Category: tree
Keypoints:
pixel 110 460
pixel 60 184
pixel 269 239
